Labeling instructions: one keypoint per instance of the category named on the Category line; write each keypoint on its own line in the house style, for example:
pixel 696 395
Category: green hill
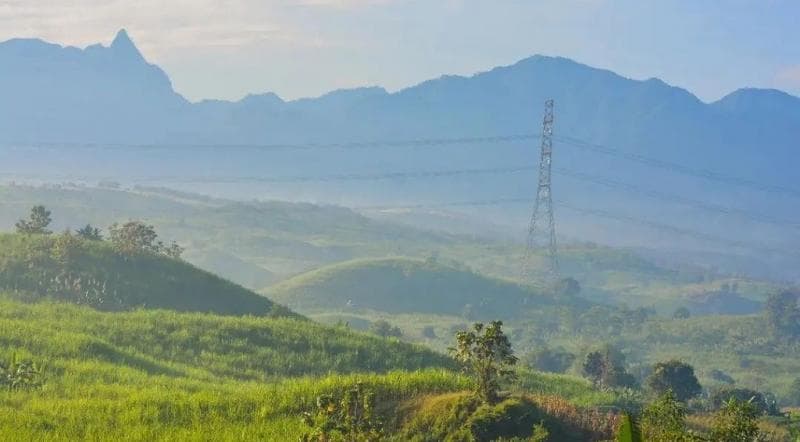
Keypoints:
pixel 92 273
pixel 397 285
pixel 163 375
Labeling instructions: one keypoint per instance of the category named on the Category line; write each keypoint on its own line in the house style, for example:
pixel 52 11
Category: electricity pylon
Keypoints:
pixel 542 230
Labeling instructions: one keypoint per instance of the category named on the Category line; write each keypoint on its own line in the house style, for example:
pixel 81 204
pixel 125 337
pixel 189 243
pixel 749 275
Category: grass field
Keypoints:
pixel 159 375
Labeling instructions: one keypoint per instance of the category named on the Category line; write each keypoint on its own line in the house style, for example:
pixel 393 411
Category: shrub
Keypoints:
pixel 664 420
pixel 763 403
pixel 351 417
pixel 17 374
pixel 384 329
pixel 737 421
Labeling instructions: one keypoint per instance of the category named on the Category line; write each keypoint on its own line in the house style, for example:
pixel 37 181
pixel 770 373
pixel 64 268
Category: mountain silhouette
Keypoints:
pixel 100 94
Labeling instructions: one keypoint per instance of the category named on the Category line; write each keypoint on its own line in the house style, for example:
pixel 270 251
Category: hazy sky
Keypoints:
pixel 228 48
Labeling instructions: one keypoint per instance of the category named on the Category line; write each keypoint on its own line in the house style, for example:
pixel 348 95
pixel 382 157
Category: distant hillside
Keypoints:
pixel 93 273
pixel 396 285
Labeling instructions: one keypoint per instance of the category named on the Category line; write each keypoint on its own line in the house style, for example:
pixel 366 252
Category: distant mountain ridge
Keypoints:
pixel 112 95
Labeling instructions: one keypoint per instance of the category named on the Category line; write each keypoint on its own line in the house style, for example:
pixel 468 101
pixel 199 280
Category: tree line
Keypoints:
pixel 128 238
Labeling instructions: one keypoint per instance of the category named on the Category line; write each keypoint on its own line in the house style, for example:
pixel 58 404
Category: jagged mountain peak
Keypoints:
pixel 124 46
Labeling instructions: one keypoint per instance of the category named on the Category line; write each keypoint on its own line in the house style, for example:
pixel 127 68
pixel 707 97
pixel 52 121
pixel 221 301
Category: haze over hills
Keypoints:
pixel 111 95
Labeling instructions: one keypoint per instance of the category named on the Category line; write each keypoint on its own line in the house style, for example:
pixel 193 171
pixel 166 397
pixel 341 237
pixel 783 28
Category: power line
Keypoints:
pixel 679 168
pixel 599 213
pixel 420 142
pixel 677 230
pixel 594 179
pixel 661 196
pixel 343 177
pixel 443 142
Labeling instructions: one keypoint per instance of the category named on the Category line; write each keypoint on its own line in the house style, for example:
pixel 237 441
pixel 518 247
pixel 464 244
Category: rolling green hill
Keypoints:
pixel 257 244
pixel 162 376
pixel 91 272
pixel 398 285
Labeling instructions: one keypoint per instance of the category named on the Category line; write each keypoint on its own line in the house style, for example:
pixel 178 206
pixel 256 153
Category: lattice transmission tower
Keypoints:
pixel 542 230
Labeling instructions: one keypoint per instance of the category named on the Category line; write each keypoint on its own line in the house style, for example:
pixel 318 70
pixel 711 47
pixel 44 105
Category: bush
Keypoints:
pixel 17 374
pixel 384 329
pixel 350 417
pixel 763 403
pixel 664 420
pixel 736 421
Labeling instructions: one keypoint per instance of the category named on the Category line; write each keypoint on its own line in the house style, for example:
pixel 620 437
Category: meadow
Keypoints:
pixel 163 375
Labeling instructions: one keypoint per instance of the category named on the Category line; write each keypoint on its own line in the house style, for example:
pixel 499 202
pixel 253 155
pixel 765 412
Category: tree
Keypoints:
pixel 681 313
pixel 37 222
pixel 429 332
pixel 675 376
pixel 174 251
pixel 783 315
pixel 133 237
pixel 737 421
pixel 90 233
pixel 606 368
pixel 486 354
pixel 664 420
pixel 137 237
pixel 384 329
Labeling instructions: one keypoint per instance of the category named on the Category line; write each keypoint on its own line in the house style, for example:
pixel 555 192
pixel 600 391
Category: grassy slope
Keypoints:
pixel 158 375
pixel 396 285
pixel 91 272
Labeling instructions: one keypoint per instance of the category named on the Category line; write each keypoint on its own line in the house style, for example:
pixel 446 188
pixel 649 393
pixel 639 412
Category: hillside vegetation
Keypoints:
pixel 172 343
pixel 397 285
pixel 91 272
pixel 160 375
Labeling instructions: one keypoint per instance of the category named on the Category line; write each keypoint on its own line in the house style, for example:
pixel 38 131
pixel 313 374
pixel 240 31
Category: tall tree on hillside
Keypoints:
pixel 37 222
pixel 486 354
